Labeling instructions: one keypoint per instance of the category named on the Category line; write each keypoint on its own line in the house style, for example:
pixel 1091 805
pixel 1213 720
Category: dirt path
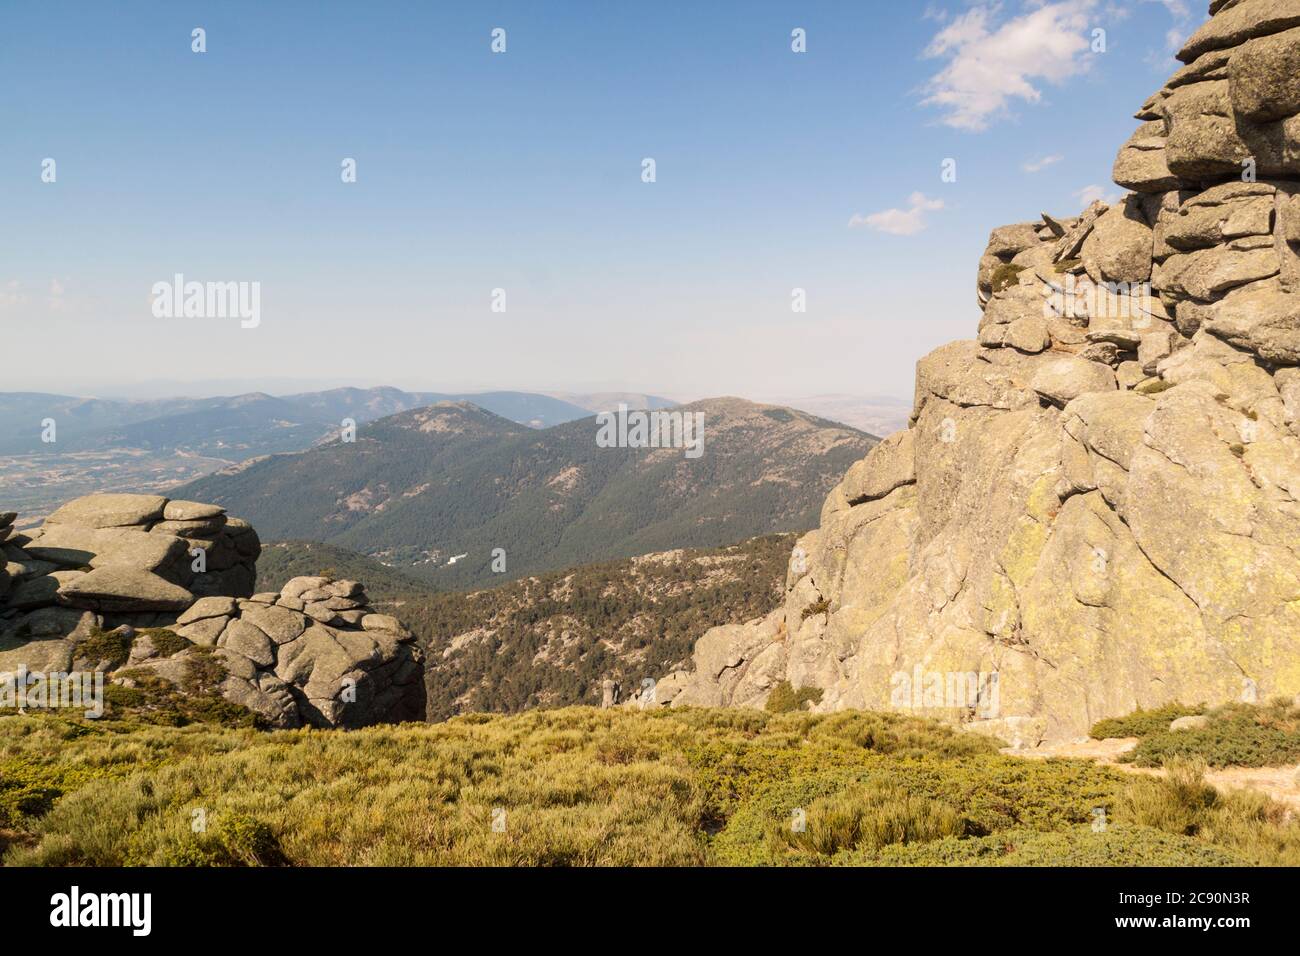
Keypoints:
pixel 1280 783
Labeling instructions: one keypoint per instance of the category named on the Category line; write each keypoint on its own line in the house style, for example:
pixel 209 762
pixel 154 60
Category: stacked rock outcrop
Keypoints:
pixel 1098 501
pixel 118 553
pixel 314 654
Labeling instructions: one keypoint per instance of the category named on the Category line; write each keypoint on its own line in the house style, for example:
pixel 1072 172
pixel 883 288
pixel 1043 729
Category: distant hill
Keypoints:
pixel 878 414
pixel 551 640
pixel 421 488
pixel 366 404
pixel 609 401
pixel 282 560
pixel 236 427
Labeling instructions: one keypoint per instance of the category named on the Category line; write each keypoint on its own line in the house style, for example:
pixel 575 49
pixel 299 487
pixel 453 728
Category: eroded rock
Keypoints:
pixel 128 562
pixel 1111 522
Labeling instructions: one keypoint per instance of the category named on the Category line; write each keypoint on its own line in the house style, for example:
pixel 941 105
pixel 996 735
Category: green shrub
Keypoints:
pixel 165 641
pixel 31 783
pixel 585 786
pixel 212 708
pixel 1240 821
pixel 1175 804
pixel 233 839
pixel 1117 845
pixel 1141 723
pixel 25 792
pixel 783 698
pixel 117 697
pixel 111 648
pixel 1005 276
pixel 155 700
pixel 868 818
pixel 1235 735
pixel 203 672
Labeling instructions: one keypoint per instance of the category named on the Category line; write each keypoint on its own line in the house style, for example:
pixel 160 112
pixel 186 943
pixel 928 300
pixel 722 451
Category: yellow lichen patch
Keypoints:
pixel 1042 502
pixel 1023 548
pixel 1002 610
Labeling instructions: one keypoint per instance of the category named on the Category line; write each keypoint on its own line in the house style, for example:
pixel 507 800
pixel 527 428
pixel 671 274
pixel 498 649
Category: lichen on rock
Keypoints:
pixel 1103 503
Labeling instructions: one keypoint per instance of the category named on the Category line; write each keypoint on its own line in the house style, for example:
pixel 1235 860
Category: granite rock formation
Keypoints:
pixel 1098 500
pixel 314 654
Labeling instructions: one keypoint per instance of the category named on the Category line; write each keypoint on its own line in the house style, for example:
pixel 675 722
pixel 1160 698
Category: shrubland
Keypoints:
pixel 584 786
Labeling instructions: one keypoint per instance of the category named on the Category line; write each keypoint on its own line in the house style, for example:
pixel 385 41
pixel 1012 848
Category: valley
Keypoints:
pixel 423 486
pixel 552 640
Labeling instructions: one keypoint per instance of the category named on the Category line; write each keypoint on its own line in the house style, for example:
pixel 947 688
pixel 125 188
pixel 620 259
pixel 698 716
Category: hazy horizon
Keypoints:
pixel 155 389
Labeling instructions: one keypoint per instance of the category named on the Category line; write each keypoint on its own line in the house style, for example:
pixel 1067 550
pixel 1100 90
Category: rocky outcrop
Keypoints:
pixel 314 654
pixel 133 565
pixel 1098 501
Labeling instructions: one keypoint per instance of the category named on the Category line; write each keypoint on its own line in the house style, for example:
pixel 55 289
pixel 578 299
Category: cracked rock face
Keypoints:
pixel 1101 502
pixel 316 654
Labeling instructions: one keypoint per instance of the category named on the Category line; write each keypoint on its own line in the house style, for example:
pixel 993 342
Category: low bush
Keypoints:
pixel 1141 723
pixel 1235 735
pixel 783 698
pixel 1005 276
pixel 1241 822
pixel 109 648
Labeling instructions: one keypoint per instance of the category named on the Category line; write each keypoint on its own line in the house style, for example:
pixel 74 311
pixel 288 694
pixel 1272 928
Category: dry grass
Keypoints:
pixel 591 787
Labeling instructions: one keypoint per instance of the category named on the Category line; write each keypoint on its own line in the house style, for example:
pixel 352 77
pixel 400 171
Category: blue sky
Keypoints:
pixel 522 170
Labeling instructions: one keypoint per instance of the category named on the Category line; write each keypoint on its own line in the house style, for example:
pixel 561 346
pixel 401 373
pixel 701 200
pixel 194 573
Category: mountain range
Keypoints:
pixel 435 491
pixel 239 426
pixel 152 444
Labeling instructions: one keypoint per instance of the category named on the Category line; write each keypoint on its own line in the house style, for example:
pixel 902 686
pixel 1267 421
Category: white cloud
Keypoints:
pixel 1175 37
pixel 900 222
pixel 1178 9
pixel 1038 165
pixel 1162 61
pixel 991 64
pixel 1090 194
pixel 11 294
pixel 15 295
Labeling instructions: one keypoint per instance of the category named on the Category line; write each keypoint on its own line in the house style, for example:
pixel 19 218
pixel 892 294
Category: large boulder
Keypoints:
pixel 1142 164
pixel 110 511
pixel 1264 82
pixel 1119 248
pixel 1062 380
pixel 203 553
pixel 120 588
pixel 1235 23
